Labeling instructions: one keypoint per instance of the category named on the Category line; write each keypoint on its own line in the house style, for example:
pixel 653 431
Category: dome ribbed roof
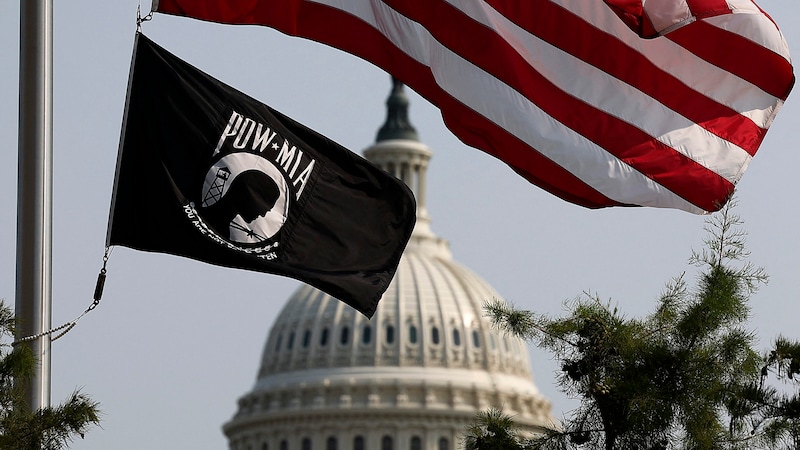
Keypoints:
pixel 430 316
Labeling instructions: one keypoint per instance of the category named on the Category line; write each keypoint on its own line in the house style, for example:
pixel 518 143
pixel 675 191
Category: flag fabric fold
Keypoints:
pixel 651 18
pixel 564 91
pixel 206 172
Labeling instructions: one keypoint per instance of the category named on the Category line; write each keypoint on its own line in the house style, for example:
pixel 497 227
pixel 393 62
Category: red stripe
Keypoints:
pixel 632 13
pixel 487 50
pixel 746 59
pixel 708 8
pixel 614 57
pixel 239 12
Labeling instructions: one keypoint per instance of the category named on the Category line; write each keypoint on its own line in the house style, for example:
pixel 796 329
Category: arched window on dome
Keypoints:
pixel 416 443
pixel 476 339
pixel 306 444
pixel 412 334
pixel 344 336
pixel 366 335
pixel 444 444
pixel 456 337
pixel 290 344
pixel 435 335
pixel 390 334
pixel 284 445
pixel 358 443
pixel 387 443
pixel 264 446
pixel 306 338
pixel 331 444
pixel 323 338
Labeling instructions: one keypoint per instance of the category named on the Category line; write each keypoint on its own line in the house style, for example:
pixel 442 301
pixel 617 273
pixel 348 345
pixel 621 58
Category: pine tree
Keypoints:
pixel 21 428
pixel 685 376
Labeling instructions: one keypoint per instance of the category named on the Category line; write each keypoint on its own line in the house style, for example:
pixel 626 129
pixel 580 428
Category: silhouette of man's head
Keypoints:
pixel 252 194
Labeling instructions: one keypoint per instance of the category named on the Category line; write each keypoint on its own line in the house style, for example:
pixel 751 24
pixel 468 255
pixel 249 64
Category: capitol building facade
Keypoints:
pixel 411 378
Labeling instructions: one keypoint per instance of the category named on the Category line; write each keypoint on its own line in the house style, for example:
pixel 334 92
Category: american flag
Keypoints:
pixel 657 103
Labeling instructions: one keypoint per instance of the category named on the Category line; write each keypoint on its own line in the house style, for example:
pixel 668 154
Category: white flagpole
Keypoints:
pixel 34 190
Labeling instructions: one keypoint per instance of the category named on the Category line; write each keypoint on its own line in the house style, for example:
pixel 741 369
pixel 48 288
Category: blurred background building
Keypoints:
pixel 411 378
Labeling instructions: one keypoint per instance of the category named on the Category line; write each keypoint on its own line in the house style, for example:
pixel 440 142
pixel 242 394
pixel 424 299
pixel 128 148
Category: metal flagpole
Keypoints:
pixel 34 190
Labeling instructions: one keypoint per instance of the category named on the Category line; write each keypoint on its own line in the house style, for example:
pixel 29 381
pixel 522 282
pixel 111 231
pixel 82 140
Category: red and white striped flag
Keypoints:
pixel 562 90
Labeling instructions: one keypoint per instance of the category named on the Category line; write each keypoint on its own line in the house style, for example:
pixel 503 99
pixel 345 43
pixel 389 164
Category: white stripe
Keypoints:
pixel 606 93
pixel 750 24
pixel 700 75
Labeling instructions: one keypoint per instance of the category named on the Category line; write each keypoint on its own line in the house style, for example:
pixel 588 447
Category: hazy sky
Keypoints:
pixel 175 342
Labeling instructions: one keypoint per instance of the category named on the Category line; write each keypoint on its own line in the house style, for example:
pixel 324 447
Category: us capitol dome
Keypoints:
pixel 411 378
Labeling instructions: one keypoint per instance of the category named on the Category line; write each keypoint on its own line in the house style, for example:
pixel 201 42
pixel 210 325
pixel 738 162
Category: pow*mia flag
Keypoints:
pixel 206 172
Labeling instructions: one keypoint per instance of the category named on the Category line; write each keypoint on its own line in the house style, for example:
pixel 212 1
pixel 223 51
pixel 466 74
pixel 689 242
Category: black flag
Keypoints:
pixel 207 172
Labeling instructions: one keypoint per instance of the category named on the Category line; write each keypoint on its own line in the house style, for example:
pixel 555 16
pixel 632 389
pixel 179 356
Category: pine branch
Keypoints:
pixel 51 428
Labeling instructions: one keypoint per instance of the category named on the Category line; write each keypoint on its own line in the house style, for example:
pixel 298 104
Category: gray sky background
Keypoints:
pixel 175 342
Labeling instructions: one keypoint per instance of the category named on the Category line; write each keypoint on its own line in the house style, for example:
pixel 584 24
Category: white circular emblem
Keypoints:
pixel 245 198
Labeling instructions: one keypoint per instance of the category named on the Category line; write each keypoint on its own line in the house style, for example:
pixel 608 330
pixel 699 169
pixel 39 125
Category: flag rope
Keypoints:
pixel 98 294
pixel 140 19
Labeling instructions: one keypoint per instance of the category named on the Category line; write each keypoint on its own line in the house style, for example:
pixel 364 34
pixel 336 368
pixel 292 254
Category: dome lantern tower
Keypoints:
pixel 397 125
pixel 397 150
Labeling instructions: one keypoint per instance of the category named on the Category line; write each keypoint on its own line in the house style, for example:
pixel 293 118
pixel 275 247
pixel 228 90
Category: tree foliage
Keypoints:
pixel 21 428
pixel 493 431
pixel 685 376
pixel 772 412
